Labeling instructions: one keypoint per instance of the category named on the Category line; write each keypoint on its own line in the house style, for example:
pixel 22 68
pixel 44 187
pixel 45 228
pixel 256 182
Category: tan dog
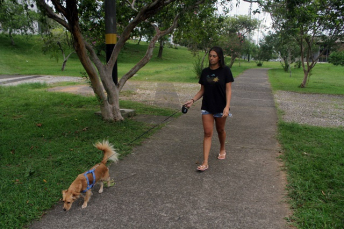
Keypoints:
pixel 85 181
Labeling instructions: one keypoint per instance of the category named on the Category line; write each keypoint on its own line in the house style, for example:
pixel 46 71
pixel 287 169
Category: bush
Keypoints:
pixel 337 58
pixel 198 66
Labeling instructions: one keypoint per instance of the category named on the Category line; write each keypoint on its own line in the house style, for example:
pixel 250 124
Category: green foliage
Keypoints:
pixel 47 140
pixel 314 159
pixel 337 58
pixel 16 18
pixel 309 23
pixel 284 44
pixel 233 36
pixel 199 31
pixel 198 66
pixel 264 53
pixel 92 22
pixel 56 42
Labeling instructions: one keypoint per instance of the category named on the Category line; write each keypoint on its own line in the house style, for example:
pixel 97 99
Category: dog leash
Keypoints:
pixel 146 132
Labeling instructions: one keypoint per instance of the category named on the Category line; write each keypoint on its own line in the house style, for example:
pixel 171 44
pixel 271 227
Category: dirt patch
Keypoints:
pixel 311 109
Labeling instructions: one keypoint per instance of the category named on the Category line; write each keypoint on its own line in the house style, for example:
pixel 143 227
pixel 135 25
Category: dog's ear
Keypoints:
pixel 64 192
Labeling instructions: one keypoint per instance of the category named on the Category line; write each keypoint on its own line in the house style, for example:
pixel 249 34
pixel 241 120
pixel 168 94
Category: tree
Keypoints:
pixel 165 17
pixel 249 49
pixel 58 40
pixel 234 34
pixel 264 53
pixel 67 13
pixel 285 46
pixel 162 42
pixel 16 18
pixel 145 30
pixel 316 26
pixel 199 32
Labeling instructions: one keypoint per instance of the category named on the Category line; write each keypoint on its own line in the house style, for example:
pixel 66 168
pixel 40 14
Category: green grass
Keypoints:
pixel 43 131
pixel 325 79
pixel 313 156
pixel 314 160
pixel 47 139
pixel 26 58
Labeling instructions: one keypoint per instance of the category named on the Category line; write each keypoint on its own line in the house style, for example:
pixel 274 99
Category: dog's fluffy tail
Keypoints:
pixel 109 151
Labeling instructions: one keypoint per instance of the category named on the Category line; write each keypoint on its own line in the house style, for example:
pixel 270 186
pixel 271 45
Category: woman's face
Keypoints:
pixel 213 58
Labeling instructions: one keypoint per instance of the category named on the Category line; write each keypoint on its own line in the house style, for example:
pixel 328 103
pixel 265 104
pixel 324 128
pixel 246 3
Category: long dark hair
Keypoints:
pixel 219 53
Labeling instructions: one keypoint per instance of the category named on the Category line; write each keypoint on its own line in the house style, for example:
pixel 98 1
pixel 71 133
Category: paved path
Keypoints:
pixel 158 186
pixel 11 80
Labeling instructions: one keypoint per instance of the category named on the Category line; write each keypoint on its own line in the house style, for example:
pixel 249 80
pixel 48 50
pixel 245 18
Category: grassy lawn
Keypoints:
pixel 314 161
pixel 47 139
pixel 313 156
pixel 26 58
pixel 325 79
pixel 44 131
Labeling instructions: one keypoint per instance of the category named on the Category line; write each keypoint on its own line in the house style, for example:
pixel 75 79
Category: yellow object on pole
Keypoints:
pixel 111 38
pixel 111 33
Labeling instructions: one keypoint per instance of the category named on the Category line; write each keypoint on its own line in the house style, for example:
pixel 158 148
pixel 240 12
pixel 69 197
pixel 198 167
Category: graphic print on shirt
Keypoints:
pixel 212 79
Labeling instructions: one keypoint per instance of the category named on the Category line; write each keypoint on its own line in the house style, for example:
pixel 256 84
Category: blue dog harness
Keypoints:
pixel 89 186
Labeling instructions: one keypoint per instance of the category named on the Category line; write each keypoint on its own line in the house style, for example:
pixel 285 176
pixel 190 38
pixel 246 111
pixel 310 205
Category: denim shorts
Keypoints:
pixel 217 115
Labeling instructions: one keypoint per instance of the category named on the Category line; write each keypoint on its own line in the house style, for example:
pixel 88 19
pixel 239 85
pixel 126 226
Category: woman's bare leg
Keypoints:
pixel 220 128
pixel 208 126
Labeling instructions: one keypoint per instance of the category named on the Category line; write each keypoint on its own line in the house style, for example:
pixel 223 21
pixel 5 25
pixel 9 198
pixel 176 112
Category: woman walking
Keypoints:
pixel 216 84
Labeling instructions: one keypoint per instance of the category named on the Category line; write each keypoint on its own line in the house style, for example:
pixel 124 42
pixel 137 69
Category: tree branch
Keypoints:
pixel 132 5
pixel 149 52
pixel 51 14
pixel 94 57
pixel 146 12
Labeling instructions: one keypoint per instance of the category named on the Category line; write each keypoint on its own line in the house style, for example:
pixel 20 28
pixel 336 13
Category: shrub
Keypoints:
pixel 198 66
pixel 337 58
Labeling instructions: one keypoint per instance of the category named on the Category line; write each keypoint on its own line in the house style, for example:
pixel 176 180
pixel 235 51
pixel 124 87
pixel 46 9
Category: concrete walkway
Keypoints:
pixel 158 186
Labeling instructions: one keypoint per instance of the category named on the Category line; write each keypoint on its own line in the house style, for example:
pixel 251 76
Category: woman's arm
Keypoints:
pixel 228 99
pixel 198 95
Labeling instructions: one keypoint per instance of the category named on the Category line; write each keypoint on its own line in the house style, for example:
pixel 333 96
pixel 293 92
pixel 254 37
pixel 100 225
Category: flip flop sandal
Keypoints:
pixel 202 168
pixel 222 156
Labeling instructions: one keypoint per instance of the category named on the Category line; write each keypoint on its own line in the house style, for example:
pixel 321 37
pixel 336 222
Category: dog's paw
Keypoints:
pixel 84 205
pixel 101 190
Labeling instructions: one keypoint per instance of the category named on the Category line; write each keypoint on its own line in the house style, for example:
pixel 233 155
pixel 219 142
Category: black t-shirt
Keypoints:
pixel 214 82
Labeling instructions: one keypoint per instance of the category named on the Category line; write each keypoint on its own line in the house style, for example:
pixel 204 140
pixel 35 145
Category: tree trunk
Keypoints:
pixel 65 61
pixel 203 58
pixel 109 101
pixel 232 61
pixel 161 48
pixel 11 37
pixel 304 81
pixel 99 74
pixel 110 109
pixel 63 65
pixel 286 64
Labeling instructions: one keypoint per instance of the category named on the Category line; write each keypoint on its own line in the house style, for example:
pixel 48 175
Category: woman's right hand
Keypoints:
pixel 189 103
